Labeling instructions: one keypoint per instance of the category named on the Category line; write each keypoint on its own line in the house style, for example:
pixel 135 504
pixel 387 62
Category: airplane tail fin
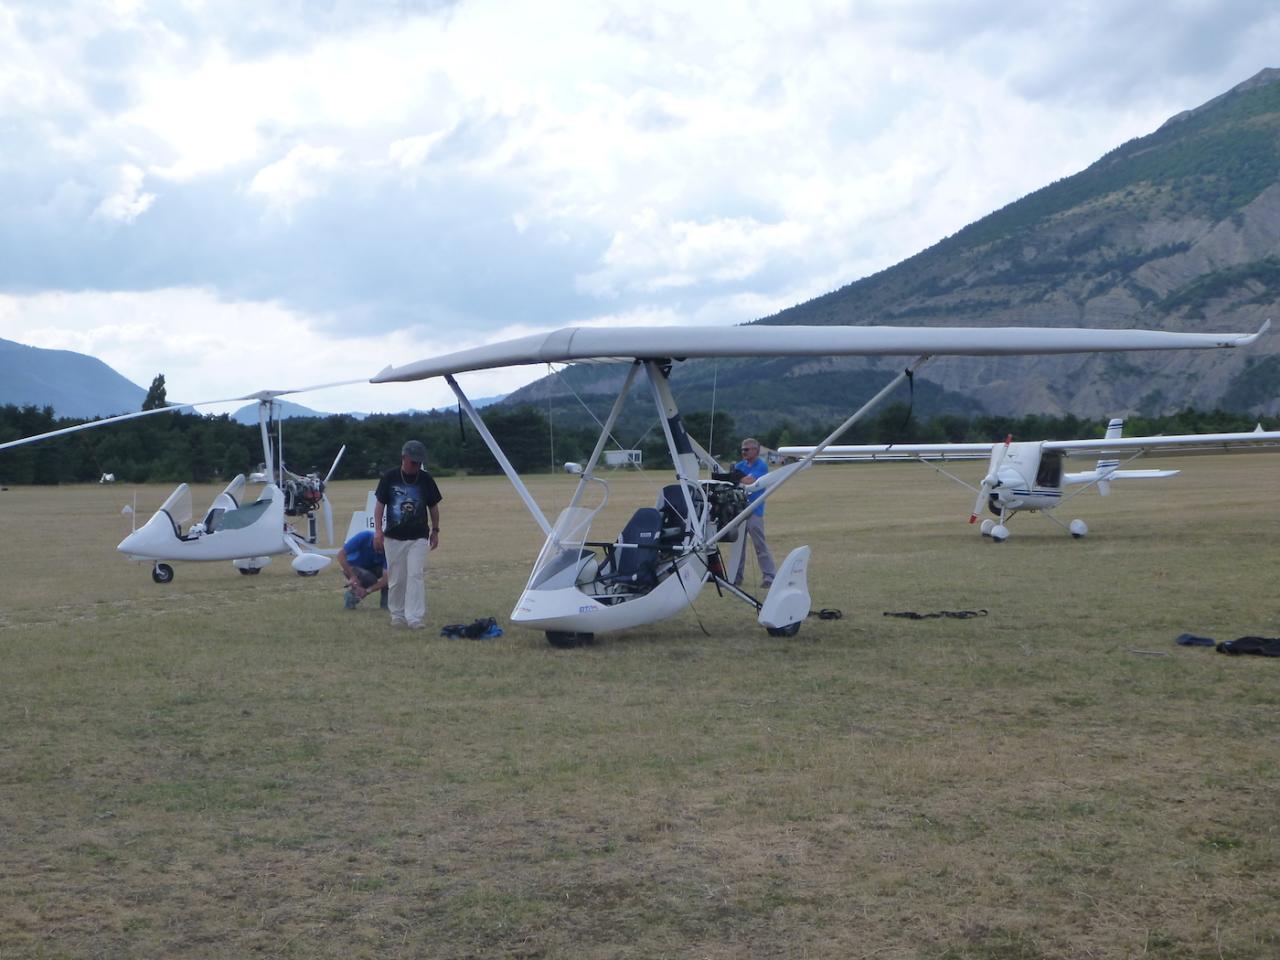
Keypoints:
pixel 1115 430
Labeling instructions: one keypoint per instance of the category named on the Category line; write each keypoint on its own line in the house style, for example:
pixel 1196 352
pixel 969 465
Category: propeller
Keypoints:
pixel 325 507
pixel 327 511
pixel 992 479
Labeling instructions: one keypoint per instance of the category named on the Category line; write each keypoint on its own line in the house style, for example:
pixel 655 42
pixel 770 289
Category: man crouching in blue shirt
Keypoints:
pixel 365 569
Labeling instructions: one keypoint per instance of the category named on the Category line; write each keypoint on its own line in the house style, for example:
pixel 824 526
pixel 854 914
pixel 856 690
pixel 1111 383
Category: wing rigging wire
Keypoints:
pixel 565 380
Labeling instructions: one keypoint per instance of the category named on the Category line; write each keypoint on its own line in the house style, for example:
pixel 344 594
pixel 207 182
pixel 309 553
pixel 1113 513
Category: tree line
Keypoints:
pixel 209 449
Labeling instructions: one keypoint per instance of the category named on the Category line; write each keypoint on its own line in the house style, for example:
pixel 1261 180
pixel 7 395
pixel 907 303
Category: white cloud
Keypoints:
pixel 301 174
pixel 566 162
pixel 127 202
pixel 650 255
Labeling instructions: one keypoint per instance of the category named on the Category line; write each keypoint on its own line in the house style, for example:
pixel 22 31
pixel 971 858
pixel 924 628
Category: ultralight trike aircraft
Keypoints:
pixel 668 551
pixel 1028 475
pixel 246 534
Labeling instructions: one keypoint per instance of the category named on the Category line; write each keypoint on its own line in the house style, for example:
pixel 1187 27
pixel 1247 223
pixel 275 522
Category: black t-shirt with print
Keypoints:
pixel 407 500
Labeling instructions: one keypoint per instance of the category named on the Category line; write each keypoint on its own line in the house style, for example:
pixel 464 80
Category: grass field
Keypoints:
pixel 234 766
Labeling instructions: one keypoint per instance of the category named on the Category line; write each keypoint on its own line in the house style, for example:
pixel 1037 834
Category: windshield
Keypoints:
pixel 178 506
pixel 564 545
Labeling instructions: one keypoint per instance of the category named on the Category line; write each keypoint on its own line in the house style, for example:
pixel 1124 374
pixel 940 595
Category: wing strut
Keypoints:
pixel 789 471
pixel 683 457
pixel 498 455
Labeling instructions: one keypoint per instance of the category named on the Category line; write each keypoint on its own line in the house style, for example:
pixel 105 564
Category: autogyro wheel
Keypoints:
pixel 162 573
pixel 790 630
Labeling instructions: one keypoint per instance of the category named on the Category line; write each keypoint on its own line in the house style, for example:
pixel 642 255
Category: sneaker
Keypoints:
pixel 417 625
pixel 397 622
pixel 349 599
pixel 766 584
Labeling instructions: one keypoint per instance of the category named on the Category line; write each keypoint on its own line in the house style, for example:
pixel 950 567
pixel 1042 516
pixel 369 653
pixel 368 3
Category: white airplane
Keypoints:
pixel 248 535
pixel 669 550
pixel 1028 476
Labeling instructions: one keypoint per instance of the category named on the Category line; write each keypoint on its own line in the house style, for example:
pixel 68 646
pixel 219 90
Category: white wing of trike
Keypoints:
pixel 667 552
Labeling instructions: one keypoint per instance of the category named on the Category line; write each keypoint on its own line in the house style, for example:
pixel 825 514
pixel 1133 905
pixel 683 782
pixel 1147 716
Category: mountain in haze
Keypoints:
pixel 1178 230
pixel 248 414
pixel 74 384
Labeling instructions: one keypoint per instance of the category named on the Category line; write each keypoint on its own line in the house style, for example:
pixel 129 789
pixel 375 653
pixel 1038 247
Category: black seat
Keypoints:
pixel 675 511
pixel 633 560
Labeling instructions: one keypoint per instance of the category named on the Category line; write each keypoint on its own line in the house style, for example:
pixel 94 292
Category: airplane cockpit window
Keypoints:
pixel 1049 473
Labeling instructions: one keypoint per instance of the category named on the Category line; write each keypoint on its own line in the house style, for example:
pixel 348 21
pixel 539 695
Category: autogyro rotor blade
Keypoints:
pixel 260 396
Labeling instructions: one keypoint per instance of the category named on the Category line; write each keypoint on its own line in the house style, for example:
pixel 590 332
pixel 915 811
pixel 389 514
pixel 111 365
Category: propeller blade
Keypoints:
pixel 992 479
pixel 977 504
pixel 341 451
pixel 328 516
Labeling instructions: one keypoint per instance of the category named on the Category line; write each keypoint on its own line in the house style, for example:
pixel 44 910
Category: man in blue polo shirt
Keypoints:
pixel 365 569
pixel 752 469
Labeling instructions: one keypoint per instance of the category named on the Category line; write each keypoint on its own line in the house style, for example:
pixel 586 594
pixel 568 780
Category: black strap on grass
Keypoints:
pixel 953 614
pixel 827 613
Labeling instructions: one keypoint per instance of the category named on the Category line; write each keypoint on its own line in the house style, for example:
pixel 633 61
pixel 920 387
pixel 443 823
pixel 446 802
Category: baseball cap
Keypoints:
pixel 415 450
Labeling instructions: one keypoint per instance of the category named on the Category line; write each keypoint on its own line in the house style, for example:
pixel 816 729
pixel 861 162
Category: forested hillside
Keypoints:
pixel 204 449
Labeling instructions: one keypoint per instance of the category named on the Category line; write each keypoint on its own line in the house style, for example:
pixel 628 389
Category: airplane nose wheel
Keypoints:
pixel 790 630
pixel 162 573
pixel 1077 529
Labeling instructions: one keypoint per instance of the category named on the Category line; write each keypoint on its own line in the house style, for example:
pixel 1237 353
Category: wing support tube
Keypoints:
pixel 498 455
pixel 786 473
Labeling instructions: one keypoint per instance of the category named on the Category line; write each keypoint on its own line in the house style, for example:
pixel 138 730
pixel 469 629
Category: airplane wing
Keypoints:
pixel 897 451
pixel 1257 441
pixel 624 344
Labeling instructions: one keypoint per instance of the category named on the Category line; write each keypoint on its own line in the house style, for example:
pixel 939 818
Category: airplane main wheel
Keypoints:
pixel 249 571
pixel 307 573
pixel 999 533
pixel 162 573
pixel 790 630
pixel 987 526
pixel 567 640
pixel 1078 528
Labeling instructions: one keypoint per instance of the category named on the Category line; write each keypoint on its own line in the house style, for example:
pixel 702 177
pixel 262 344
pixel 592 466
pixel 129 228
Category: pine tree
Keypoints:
pixel 155 396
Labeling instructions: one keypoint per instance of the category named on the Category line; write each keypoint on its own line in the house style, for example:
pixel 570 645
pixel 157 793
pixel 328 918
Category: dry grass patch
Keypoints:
pixel 233 765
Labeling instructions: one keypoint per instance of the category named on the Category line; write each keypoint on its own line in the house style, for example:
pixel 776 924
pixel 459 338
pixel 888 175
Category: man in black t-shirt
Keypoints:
pixel 406 525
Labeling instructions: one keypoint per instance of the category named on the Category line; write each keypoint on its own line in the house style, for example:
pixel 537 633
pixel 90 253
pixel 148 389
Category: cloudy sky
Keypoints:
pixel 245 195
